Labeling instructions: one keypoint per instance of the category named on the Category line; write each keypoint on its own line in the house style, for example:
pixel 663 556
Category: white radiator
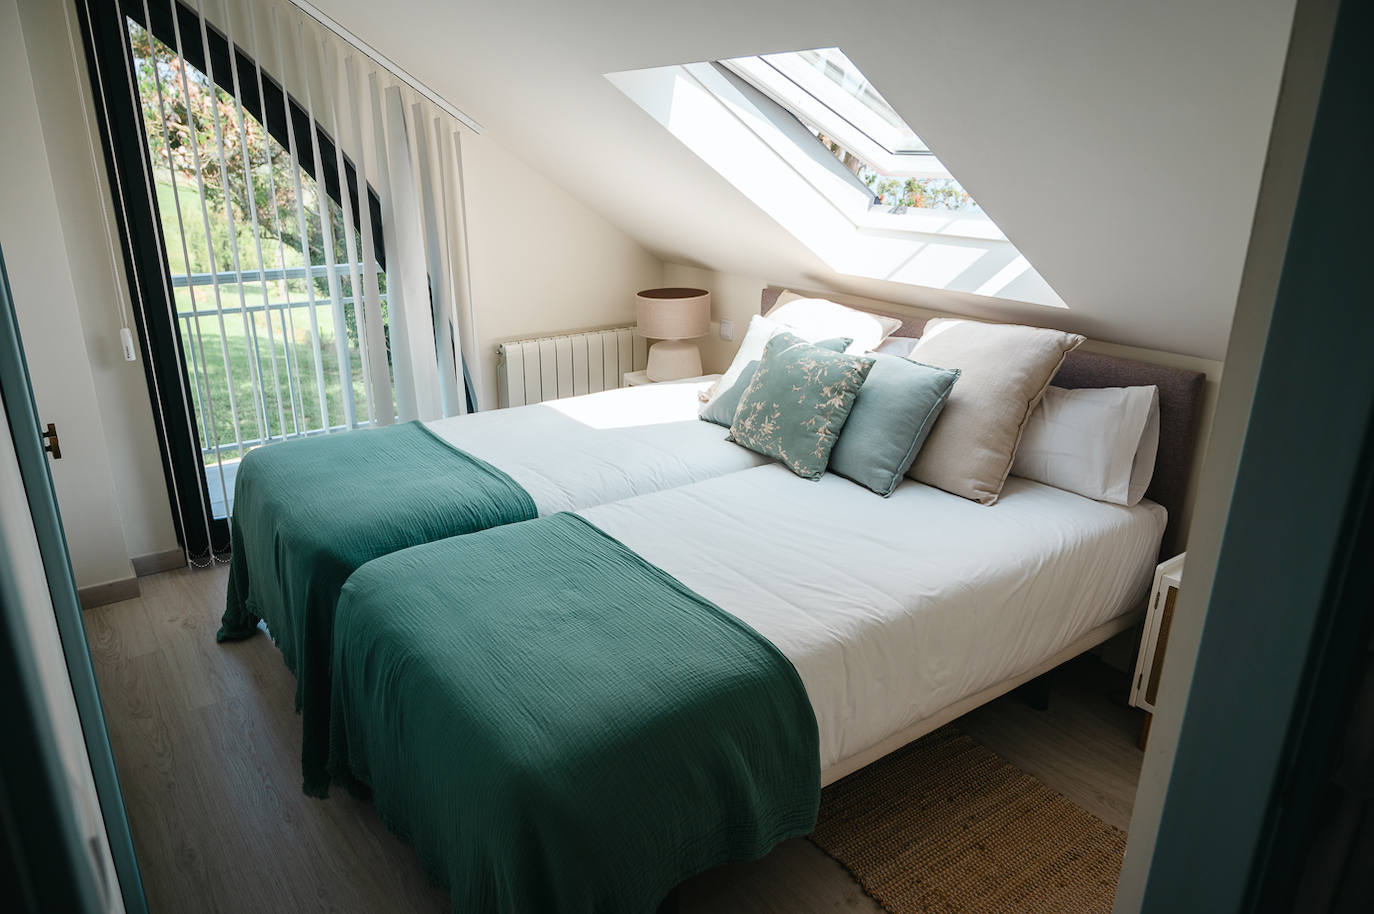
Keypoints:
pixel 549 367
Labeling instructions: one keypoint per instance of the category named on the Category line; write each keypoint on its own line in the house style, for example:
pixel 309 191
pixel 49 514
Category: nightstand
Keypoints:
pixel 641 378
pixel 1159 618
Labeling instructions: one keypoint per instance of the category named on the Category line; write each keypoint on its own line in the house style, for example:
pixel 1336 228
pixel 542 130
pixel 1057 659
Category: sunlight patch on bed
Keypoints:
pixel 651 405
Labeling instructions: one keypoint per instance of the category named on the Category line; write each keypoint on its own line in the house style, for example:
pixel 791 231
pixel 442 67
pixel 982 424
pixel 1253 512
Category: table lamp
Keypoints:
pixel 674 317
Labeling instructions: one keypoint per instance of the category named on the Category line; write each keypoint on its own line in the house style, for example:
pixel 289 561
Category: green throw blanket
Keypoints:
pixel 308 512
pixel 557 725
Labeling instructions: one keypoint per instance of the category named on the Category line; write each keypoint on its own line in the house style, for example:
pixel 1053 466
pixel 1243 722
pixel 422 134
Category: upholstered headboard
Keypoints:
pixel 1180 403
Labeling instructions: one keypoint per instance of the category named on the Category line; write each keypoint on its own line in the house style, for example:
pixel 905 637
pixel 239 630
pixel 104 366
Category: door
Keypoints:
pixel 262 273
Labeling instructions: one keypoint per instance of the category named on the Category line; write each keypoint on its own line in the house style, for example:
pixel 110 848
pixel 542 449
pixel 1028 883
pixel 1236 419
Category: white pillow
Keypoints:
pixel 900 346
pixel 821 319
pixel 761 330
pixel 1097 442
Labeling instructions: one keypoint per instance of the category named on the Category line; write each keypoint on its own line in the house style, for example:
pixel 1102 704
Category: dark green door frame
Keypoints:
pixel 1290 599
pixel 22 415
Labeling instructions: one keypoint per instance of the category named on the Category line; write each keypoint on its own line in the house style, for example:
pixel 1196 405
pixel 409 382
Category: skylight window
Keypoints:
pixel 827 92
pixel 807 138
pixel 830 96
pixel 902 193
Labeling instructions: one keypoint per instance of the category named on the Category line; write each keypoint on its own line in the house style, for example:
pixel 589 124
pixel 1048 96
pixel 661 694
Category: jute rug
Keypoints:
pixel 946 825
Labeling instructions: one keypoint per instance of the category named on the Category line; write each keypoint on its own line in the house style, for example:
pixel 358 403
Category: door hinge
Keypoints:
pixel 50 442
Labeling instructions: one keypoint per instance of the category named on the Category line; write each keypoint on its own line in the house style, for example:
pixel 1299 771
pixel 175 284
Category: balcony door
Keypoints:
pixel 260 266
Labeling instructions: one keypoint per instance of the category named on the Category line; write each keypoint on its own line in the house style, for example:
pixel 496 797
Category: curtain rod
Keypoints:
pixel 333 26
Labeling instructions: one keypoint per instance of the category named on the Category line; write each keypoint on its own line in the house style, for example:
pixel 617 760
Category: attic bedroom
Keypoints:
pixel 728 457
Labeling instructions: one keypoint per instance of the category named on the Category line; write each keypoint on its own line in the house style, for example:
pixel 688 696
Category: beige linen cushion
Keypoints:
pixel 1005 370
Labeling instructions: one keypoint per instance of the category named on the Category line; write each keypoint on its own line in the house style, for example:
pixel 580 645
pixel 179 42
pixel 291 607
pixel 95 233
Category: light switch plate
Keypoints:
pixel 727 329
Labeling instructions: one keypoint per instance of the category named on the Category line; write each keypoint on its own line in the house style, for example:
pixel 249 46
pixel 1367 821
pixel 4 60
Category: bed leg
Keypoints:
pixel 1037 692
pixel 670 905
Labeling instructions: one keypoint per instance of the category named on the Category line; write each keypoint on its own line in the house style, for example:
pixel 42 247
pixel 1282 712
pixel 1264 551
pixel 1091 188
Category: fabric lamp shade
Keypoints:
pixel 673 316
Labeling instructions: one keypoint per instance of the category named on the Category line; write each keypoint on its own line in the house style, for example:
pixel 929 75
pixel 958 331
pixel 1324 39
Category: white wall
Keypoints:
pixel 541 261
pixel 1304 73
pixel 31 234
pixel 120 386
pixel 736 298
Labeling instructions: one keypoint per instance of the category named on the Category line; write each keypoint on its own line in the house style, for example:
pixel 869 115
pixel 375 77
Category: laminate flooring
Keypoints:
pixel 207 745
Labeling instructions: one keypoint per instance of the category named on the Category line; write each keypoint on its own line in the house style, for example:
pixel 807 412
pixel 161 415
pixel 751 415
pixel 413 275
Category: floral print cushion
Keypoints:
pixel 797 402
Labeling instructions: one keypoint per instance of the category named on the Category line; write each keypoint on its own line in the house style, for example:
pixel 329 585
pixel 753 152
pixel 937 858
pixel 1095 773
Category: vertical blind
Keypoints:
pixel 311 215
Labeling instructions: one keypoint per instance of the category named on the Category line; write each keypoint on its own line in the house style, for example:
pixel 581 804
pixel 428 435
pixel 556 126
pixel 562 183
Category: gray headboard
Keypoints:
pixel 1180 403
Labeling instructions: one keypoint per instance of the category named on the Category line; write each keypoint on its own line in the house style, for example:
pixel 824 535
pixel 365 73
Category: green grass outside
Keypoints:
pixel 295 369
pixel 238 344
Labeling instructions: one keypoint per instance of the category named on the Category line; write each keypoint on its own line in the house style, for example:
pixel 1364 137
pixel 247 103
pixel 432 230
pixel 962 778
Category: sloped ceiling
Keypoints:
pixel 1118 143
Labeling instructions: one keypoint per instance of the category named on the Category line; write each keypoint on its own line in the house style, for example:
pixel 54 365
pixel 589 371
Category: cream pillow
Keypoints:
pixel 1004 372
pixel 822 319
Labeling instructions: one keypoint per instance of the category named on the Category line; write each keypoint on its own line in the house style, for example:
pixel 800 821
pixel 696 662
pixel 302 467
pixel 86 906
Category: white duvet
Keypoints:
pixel 892 609
pixel 589 450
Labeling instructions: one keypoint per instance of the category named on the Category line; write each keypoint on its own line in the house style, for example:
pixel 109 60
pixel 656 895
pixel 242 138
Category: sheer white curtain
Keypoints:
pixel 410 152
pixel 413 334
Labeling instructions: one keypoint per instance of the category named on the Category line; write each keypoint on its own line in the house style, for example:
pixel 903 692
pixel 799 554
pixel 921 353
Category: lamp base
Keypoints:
pixel 672 360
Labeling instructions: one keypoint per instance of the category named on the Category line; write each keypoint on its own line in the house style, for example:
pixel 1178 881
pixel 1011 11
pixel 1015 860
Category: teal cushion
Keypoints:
pixel 721 409
pixel 797 402
pixel 891 418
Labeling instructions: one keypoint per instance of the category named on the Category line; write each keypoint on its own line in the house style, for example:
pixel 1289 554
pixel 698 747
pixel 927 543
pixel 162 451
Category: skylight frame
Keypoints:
pixel 773 157
pixel 819 102
pixel 876 118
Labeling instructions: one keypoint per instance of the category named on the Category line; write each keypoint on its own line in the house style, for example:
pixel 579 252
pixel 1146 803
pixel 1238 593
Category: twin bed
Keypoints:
pixel 651 664
pixel 310 513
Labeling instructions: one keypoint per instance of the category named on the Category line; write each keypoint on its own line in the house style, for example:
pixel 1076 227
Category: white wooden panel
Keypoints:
pixel 579 364
pixel 641 353
pixel 610 347
pixel 514 375
pixel 530 349
pixel 563 348
pixel 548 369
pixel 596 378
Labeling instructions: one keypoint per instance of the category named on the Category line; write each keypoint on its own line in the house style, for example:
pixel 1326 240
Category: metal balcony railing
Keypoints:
pixel 273 361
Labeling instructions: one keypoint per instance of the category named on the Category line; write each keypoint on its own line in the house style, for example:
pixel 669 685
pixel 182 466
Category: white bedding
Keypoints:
pixel 892 609
pixel 597 448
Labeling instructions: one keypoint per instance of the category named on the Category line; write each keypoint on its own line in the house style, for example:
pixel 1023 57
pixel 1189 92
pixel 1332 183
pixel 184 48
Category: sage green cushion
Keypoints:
pixel 797 402
pixel 721 409
pixel 891 418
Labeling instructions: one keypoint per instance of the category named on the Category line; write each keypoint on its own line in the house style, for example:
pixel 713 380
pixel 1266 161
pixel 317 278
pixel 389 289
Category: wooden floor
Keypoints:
pixel 207 746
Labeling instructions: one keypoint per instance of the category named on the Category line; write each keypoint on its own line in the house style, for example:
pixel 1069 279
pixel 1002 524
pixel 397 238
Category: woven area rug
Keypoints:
pixel 946 825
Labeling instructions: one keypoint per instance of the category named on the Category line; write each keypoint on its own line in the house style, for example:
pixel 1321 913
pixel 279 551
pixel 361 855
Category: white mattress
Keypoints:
pixel 589 450
pixel 892 609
